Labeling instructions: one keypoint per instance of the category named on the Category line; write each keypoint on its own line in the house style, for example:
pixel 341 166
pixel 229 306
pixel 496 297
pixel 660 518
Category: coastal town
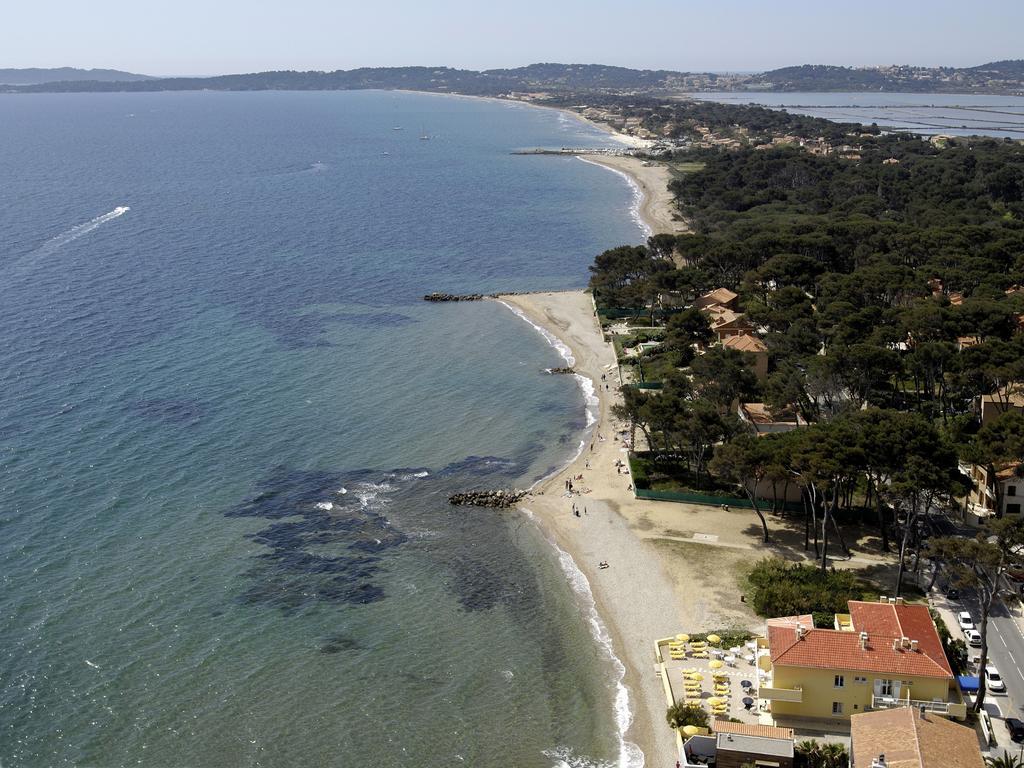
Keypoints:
pixel 834 605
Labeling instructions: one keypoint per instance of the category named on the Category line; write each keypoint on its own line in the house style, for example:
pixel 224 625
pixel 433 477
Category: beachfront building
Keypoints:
pixel 735 745
pixel 910 737
pixel 878 656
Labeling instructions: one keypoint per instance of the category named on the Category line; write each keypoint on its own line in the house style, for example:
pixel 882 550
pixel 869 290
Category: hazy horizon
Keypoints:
pixel 742 35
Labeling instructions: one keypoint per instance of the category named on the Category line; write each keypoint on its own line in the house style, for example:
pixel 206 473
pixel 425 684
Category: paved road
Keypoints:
pixel 1006 652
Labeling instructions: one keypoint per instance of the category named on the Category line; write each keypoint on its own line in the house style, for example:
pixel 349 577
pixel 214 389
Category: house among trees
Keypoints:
pixel 725 322
pixel 879 656
pixel 721 297
pixel 981 500
pixel 754 351
pixel 995 405
pixel 762 419
pixel 909 737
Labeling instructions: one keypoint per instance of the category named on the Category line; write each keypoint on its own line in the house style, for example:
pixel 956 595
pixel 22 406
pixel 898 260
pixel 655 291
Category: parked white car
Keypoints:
pixel 993 680
pixel 964 620
pixel 973 637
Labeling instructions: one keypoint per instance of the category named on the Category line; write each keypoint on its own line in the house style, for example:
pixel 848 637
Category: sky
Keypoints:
pixel 205 37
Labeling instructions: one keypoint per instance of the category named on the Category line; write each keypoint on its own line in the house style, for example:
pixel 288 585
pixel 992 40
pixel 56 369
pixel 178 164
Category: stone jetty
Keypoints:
pixel 453 297
pixel 499 499
pixel 563 371
pixel 470 296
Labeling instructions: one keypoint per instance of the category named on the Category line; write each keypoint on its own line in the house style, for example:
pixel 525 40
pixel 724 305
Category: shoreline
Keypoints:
pixel 633 597
pixel 653 205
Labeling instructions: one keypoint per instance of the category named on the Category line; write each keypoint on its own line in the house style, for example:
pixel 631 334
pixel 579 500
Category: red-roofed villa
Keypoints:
pixel 879 656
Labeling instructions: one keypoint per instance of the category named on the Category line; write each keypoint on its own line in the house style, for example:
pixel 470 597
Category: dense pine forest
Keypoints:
pixel 884 287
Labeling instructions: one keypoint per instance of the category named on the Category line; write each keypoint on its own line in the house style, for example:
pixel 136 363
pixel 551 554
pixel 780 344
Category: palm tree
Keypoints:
pixel 834 756
pixel 1005 760
pixel 810 752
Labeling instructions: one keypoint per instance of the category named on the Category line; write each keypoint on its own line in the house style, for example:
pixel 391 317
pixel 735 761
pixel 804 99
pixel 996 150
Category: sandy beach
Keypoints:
pixel 671 567
pixel 647 592
pixel 657 206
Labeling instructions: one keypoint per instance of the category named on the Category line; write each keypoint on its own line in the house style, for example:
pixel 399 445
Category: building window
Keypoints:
pixel 839 681
pixel 884 687
pixel 837 707
pixel 1011 490
pixel 860 680
pixel 1013 509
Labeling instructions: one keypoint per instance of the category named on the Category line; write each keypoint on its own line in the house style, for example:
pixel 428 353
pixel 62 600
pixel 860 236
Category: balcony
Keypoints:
pixel 793 695
pixel 944 708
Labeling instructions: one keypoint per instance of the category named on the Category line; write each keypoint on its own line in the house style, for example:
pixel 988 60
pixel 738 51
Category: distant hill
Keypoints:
pixel 994 77
pixel 36 76
pixel 1006 77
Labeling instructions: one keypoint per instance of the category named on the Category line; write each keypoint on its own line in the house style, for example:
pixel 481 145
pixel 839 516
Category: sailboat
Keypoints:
pixel 424 136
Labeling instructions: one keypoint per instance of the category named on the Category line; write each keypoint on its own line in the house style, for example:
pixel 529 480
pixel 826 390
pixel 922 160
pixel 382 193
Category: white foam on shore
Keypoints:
pixel 630 755
pixel 560 346
pixel 586 384
pixel 638 196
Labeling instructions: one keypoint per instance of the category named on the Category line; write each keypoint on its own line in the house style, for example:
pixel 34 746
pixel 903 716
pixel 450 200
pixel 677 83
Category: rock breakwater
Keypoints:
pixel 498 499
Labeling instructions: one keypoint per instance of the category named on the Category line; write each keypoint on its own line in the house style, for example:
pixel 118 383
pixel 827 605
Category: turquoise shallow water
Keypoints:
pixel 187 386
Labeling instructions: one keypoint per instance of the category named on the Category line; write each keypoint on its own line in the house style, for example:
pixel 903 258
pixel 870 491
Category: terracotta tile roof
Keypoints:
pixel 751 729
pixel 805 619
pixel 745 343
pixel 909 740
pixel 884 623
pixel 720 296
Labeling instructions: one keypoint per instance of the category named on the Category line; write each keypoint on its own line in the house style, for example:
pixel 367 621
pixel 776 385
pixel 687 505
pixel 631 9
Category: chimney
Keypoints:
pixel 913 645
pixel 899 601
pixel 882 599
pixel 905 642
pixel 895 643
pixel 863 641
pixel 879 762
pixel 801 631
pixel 922 711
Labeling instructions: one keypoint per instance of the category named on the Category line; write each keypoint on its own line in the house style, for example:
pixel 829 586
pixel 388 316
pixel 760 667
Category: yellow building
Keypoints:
pixel 880 655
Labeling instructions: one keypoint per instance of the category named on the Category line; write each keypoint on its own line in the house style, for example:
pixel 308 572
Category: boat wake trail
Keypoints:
pixel 80 230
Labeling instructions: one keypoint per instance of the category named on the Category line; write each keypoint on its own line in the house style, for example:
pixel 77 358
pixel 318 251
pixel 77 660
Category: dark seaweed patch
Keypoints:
pixel 482 465
pixel 171 410
pixel 319 555
pixel 339 643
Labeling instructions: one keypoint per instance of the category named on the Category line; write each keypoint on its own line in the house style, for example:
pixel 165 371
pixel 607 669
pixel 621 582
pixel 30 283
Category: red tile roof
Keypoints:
pixel 751 729
pixel 744 342
pixel 884 623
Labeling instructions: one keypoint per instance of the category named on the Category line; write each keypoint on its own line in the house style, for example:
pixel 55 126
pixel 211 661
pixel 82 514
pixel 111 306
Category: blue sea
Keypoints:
pixel 229 426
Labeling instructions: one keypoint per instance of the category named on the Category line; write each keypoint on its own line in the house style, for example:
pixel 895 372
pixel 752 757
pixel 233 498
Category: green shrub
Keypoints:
pixel 824 619
pixel 779 588
pixel 682 714
pixel 730 637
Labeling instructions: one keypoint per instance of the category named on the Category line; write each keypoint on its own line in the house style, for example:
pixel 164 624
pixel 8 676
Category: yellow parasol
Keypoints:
pixel 691 730
pixel 695 676
pixel 716 664
pixel 714 639
pixel 682 637
pixel 717 701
